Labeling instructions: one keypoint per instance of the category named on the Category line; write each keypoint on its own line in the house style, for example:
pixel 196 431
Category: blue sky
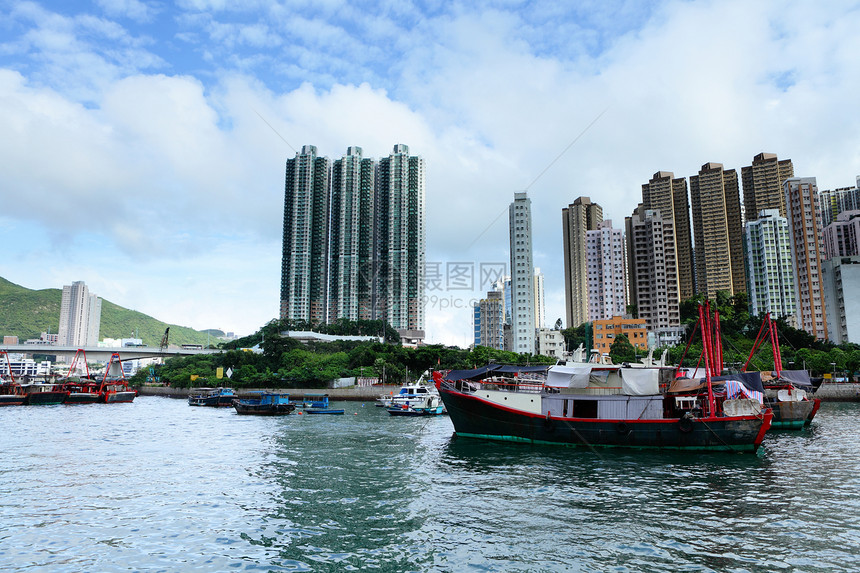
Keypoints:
pixel 143 142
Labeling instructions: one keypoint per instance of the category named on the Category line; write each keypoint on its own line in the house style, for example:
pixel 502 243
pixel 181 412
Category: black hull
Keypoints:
pixel 212 401
pixel 477 418
pixel 11 399
pixel 264 409
pixel 82 398
pixel 45 398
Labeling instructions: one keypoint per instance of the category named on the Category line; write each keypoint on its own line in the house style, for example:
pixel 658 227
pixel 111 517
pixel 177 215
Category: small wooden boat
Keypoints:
pixel 268 404
pixel 318 404
pixel 213 397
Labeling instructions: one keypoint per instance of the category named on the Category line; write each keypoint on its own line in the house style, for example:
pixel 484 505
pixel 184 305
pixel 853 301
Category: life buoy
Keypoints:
pixel 685 424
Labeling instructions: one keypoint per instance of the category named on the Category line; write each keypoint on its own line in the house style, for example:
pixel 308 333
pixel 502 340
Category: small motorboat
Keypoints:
pixel 318 404
pixel 425 406
pixel 407 393
pixel 213 397
pixel 268 404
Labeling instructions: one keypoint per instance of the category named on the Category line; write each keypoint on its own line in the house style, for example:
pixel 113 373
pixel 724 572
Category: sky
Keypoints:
pixel 143 143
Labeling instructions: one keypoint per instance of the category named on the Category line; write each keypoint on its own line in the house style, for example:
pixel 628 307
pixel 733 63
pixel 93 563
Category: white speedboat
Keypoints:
pixel 408 393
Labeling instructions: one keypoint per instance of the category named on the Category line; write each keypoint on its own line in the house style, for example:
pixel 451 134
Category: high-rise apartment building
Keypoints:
pixel 831 203
pixel 577 218
pixel 804 221
pixel 352 266
pixel 605 268
pixel 305 256
pixel 652 272
pixel 841 238
pixel 489 321
pixel 762 183
pixel 522 275
pixel 354 239
pixel 668 194
pixel 841 286
pixel 80 316
pixel 401 239
pixel 770 270
pixel 540 300
pixel 718 230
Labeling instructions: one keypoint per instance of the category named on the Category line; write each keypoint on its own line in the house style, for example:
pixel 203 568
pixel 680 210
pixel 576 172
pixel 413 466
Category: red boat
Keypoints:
pixel 115 389
pixel 11 393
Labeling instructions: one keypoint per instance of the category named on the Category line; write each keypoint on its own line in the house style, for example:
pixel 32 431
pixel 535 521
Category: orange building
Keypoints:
pixel 605 332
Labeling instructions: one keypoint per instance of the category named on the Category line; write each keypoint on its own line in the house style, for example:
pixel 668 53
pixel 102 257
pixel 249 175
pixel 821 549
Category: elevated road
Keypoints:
pixel 104 354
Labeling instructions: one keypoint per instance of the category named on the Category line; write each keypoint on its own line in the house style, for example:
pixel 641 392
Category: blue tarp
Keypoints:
pixel 478 373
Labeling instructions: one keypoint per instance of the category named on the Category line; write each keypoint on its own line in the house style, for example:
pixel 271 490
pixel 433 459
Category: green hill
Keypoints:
pixel 27 313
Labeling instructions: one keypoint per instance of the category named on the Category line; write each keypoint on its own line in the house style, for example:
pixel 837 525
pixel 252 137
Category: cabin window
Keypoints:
pixel 564 409
pixel 585 408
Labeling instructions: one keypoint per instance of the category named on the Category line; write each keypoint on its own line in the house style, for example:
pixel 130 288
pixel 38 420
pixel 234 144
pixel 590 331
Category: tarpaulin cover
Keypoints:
pixel 686 385
pixel 799 378
pixel 736 388
pixel 568 376
pixel 640 381
pixel 751 380
pixel 482 372
pixel 470 374
pixel 510 369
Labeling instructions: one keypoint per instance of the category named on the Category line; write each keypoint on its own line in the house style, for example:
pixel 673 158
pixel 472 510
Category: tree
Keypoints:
pixel 621 350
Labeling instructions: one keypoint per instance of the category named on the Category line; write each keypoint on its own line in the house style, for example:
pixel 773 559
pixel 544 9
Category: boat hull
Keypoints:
pixel 119 397
pixel 323 411
pixel 45 398
pixel 263 409
pixel 212 401
pixel 793 415
pixel 400 411
pixel 82 398
pixel 11 399
pixel 474 417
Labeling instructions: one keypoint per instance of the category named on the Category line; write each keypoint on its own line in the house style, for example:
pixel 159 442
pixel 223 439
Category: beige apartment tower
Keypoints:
pixel 804 225
pixel 718 230
pixel 578 218
pixel 763 184
pixel 668 195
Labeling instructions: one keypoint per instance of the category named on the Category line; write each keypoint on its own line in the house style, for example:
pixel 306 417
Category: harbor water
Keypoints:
pixel 157 485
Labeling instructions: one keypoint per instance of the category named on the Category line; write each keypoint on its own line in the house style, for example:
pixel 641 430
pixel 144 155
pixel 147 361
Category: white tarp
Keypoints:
pixel 568 376
pixel 640 381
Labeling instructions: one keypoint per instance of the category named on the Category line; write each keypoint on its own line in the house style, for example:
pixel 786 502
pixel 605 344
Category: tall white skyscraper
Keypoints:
pixel 80 316
pixel 770 270
pixel 522 275
pixel 540 300
pixel 604 257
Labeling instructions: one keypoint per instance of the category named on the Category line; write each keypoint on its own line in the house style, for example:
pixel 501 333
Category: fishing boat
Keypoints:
pixel 81 390
pixel 11 393
pixel 603 405
pixel 318 404
pixel 787 392
pixel 268 404
pixel 213 397
pixel 43 394
pixel 408 392
pixel 430 405
pixel 115 390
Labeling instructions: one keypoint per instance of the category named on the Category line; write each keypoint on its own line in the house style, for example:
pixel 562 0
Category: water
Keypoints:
pixel 160 486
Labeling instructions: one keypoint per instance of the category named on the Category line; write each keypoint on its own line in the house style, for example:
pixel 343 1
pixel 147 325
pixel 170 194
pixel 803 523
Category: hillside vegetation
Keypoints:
pixel 27 313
